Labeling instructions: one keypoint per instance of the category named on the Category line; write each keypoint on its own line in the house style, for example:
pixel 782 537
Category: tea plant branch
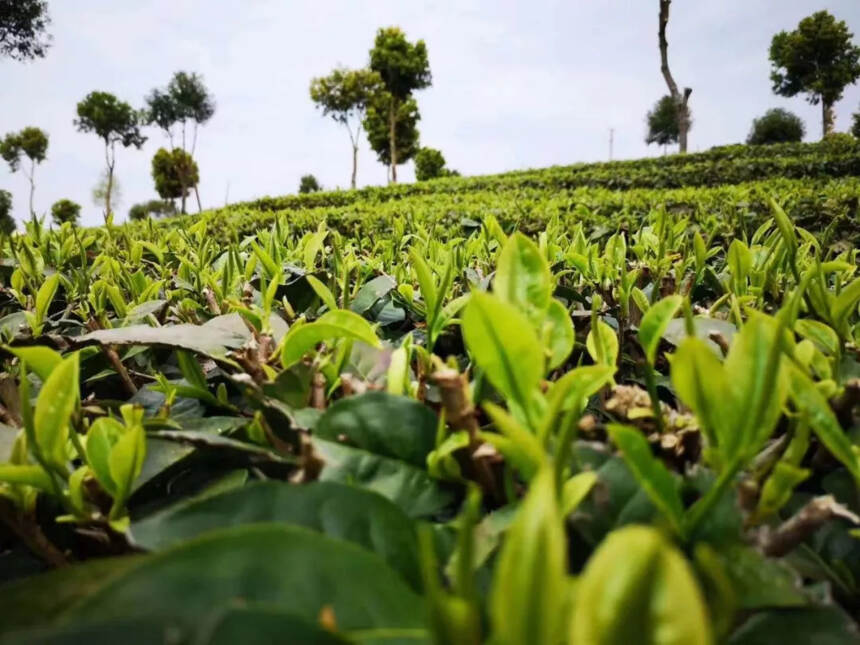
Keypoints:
pixel 31 534
pixel 804 523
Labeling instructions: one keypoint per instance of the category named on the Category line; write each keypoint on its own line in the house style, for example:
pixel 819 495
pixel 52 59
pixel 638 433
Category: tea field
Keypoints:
pixel 598 404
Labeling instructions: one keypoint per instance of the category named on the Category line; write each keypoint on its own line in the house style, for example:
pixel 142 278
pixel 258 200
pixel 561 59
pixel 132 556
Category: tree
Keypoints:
pixel 377 126
pixel 662 122
pixel 22 29
pixel 855 128
pixel 819 59
pixel 185 102
pixel 31 143
pixel 65 210
pixel 776 126
pixel 154 207
pixel 309 184
pixel 430 164
pixel 344 96
pixel 99 193
pixel 403 68
pixel 114 121
pixel 7 222
pixel 175 173
pixel 681 100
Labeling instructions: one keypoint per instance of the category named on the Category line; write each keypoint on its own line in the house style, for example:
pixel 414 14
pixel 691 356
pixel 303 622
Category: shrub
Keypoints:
pixel 776 126
pixel 430 164
pixel 309 184
pixel 154 207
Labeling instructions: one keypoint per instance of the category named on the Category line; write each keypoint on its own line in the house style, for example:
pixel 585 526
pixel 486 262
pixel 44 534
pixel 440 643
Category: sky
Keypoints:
pixel 515 84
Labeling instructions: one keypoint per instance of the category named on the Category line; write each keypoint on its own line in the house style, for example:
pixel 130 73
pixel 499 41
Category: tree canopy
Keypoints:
pixel 175 172
pixel 65 210
pixel 377 125
pixel 153 207
pixel 818 59
pixel 430 164
pixel 185 100
pixel 7 222
pixel 31 143
pixel 309 184
pixel 855 124
pixel 23 29
pixel 776 126
pixel 662 122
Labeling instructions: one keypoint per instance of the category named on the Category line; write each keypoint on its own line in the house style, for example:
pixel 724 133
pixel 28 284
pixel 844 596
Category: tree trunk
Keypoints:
pixel 392 138
pixel 32 188
pixel 679 99
pixel 184 196
pixel 108 191
pixel 828 118
pixel 197 196
pixel 354 164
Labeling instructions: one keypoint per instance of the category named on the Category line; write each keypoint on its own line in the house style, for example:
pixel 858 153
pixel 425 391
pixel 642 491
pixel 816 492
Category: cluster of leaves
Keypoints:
pixel 407 426
pixel 776 126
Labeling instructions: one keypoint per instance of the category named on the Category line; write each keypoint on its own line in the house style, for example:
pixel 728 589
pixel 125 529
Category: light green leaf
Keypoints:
pixel 607 351
pixel 523 278
pixel 425 280
pixel 41 360
pixel 654 324
pixel 322 291
pixel 101 437
pixel 504 344
pixel 526 453
pixel 823 336
pixel 332 325
pixel 125 463
pixel 45 295
pixel 576 489
pixel 822 420
pixel 528 596
pixel 559 331
pixel 637 588
pixel 54 407
pixel 846 303
pixel 26 475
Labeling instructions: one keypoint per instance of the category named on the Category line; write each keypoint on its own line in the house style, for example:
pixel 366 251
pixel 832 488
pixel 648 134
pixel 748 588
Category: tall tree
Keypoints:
pixel 430 164
pixel 174 172
pixel 404 68
pixel 344 96
pixel 681 99
pixel 377 123
pixel 7 222
pixel 662 122
pixel 114 121
pixel 855 124
pixel 185 103
pixel 23 25
pixel 31 143
pixel 818 59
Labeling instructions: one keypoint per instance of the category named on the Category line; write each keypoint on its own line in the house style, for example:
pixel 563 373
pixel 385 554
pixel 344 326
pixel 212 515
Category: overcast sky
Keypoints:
pixel 515 84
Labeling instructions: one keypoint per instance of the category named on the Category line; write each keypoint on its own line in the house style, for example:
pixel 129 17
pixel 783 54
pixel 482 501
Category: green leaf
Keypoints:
pixel 331 325
pixel 528 598
pixel 41 360
pixel 650 472
pixel 607 351
pixel 523 278
pixel 576 489
pixel 313 246
pixel 505 346
pixel 823 336
pixel 34 476
pixel 266 564
pixel 819 625
pixel 822 420
pixel 637 588
pixel 126 462
pixel 846 303
pixel 381 423
pixel 191 370
pixel 54 407
pixel 101 437
pixel 701 383
pixel 425 281
pixel 322 291
pixel 411 488
pixel 786 228
pixel 522 448
pixel 654 324
pixel 779 486
pixel 45 295
pixel 560 333
pixel 337 510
